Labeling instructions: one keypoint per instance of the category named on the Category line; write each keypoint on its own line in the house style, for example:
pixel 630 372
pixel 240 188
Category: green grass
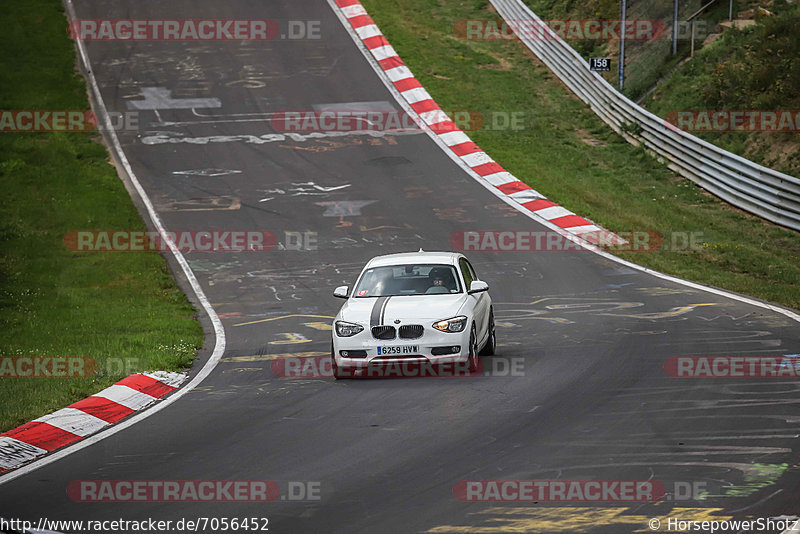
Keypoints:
pixel 754 69
pixel 645 61
pixel 613 183
pixel 757 68
pixel 122 309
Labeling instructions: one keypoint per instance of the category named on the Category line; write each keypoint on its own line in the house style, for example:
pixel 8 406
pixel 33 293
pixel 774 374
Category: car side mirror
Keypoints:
pixel 340 292
pixel 478 286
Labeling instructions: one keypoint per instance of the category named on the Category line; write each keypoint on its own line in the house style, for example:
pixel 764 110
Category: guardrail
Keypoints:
pixel 747 185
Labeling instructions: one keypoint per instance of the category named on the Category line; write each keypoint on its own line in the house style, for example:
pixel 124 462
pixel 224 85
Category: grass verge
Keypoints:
pixel 124 310
pixel 757 68
pixel 572 157
pixel 646 61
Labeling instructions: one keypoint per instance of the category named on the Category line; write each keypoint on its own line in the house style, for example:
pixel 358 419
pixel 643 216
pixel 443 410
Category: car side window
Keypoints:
pixel 472 271
pixel 466 272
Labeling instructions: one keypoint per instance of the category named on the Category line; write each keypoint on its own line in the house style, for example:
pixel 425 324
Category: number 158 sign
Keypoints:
pixel 599 63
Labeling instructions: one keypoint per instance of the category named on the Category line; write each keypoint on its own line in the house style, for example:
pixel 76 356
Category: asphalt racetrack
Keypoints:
pixel 587 338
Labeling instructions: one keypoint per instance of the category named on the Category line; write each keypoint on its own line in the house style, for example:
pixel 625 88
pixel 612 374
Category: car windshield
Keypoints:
pixel 410 279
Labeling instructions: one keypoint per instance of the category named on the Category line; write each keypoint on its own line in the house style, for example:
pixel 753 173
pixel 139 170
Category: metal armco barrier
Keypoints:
pixel 765 192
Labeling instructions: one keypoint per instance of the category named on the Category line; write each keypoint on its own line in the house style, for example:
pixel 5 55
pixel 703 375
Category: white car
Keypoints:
pixel 418 308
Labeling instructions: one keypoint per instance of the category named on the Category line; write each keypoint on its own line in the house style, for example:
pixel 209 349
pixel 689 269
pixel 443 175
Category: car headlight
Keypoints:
pixel 456 324
pixel 345 329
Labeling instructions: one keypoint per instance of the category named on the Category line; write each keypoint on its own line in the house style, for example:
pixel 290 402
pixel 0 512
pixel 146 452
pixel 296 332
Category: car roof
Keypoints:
pixel 446 258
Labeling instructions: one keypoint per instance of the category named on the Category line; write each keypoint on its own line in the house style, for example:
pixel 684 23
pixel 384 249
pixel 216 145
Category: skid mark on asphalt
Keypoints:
pixel 740 338
pixel 505 269
pixel 160 138
pixel 290 338
pixel 271 357
pixel 458 215
pixel 286 317
pixel 744 445
pixel 299 281
pixel 554 313
pixel 203 204
pixel 271 388
pixel 395 240
pixel 672 312
pixel 324 145
pixel 562 309
pixel 384 227
pixel 739 341
pixel 770 319
pixel 658 291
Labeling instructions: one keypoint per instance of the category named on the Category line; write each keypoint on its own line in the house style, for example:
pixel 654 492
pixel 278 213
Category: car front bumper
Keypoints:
pixel 433 347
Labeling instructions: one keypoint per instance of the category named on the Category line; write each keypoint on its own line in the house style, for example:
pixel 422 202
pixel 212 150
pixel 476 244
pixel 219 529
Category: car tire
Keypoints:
pixel 338 372
pixel 472 357
pixel 491 342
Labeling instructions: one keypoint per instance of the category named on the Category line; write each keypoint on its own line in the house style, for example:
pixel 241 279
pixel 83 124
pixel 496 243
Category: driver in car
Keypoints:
pixel 437 279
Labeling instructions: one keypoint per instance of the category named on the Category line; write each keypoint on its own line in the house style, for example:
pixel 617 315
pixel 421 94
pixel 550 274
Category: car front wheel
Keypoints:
pixel 491 342
pixel 472 358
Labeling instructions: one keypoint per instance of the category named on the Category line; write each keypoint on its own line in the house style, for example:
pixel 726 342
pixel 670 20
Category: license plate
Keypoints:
pixel 403 349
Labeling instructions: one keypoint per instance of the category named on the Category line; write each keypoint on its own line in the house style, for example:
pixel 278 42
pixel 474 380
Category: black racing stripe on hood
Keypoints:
pixel 383 310
pixel 376 316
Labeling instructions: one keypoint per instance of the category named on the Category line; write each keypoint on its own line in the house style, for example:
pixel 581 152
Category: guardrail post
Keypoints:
pixel 765 192
pixel 675 27
pixel 622 13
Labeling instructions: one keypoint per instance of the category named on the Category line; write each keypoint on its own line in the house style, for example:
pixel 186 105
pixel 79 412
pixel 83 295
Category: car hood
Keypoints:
pixel 408 309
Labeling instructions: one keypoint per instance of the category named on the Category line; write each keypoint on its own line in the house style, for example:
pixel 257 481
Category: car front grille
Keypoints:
pixel 411 331
pixel 383 332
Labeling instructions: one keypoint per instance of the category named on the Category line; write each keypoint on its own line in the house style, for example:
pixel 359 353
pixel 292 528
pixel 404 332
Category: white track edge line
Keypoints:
pixel 585 244
pixel 219 331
